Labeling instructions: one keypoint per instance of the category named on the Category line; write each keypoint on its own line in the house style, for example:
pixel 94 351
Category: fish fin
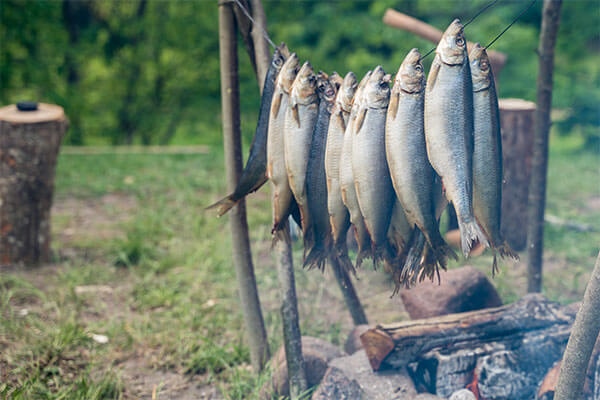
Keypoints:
pixel 340 116
pixel 393 107
pixel 259 184
pixel 360 118
pixel 469 232
pixel 433 73
pixel 276 104
pixel 295 114
pixel 224 205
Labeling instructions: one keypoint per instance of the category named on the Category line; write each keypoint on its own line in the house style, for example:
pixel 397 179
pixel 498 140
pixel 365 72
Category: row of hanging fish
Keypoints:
pixel 344 154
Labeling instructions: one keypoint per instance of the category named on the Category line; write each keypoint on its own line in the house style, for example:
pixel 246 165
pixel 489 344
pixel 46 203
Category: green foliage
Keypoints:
pixel 147 71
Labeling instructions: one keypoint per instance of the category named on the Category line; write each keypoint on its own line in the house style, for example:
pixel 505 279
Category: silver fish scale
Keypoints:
pixel 449 132
pixel 371 175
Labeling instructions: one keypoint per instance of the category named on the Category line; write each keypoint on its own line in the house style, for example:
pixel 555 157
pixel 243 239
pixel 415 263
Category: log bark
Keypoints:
pixel 581 343
pixel 455 331
pixel 29 145
pixel 242 256
pixel 517 122
pixel 292 338
pixel 422 29
pixel 537 188
pixel 349 292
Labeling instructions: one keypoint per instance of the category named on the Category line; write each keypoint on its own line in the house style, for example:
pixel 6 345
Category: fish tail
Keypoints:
pixel 470 232
pixel 439 251
pixel 341 254
pixel 224 205
pixel 505 251
pixel 317 257
pixel 414 260
pixel 362 254
pixel 281 232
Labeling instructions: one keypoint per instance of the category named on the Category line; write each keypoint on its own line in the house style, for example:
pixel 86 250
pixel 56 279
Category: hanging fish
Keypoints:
pixel 254 173
pixel 282 199
pixel 339 217
pixel 372 180
pixel 316 181
pixel 412 175
pixel 449 128
pixel 347 179
pixel 300 119
pixel 487 153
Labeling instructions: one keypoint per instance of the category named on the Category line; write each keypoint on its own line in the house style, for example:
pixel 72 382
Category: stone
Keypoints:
pixel 353 377
pixel 427 396
pixel 353 343
pixel 317 355
pixel 463 394
pixel 462 289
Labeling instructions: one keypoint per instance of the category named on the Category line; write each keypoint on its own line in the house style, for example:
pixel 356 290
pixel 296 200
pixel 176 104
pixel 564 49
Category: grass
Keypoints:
pixel 138 260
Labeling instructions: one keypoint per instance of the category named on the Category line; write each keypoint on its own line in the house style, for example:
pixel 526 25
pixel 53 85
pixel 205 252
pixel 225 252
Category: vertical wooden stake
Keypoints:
pixel 261 47
pixel 581 342
pixel 242 256
pixel 292 337
pixel 350 297
pixel 539 164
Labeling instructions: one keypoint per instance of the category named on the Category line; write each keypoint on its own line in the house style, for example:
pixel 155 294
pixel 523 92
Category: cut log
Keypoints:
pixel 517 343
pixel 29 145
pixel 517 120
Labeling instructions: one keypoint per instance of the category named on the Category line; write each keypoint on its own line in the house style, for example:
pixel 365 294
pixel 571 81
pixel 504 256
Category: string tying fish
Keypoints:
pixel 247 14
pixel 477 14
pixel 511 24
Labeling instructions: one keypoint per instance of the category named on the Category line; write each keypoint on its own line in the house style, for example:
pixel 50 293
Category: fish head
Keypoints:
pixel 283 49
pixel 288 72
pixel 278 58
pixel 481 70
pixel 336 80
pixel 452 48
pixel 305 84
pixel 411 76
pixel 325 88
pixel 346 91
pixel 377 90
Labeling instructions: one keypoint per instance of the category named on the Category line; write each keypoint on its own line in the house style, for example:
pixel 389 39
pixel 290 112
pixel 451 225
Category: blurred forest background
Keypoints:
pixel 147 71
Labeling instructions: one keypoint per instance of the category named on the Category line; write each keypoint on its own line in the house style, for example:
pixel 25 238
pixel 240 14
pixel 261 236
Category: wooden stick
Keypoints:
pixel 350 297
pixel 292 339
pixel 422 29
pixel 242 256
pixel 539 162
pixel 581 342
pixel 261 47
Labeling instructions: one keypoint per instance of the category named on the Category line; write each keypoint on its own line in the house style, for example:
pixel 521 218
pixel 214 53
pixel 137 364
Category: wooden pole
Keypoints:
pixel 242 256
pixel 292 338
pixel 581 342
pixel 261 47
pixel 539 164
pixel 350 297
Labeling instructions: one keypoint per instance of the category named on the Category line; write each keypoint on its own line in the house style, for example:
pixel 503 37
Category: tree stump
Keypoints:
pixel 516 120
pixel 29 145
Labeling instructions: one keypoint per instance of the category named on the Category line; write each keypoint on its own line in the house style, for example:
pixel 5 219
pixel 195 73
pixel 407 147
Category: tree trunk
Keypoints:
pixel 581 343
pixel 537 188
pixel 242 256
pixel 516 119
pixel 349 292
pixel 292 338
pixel 29 145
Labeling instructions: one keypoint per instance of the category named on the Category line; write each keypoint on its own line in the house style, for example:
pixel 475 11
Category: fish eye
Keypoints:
pixel 460 41
pixel 484 65
pixel 278 61
pixel 419 68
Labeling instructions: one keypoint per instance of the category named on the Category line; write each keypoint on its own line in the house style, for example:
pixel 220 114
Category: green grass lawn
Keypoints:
pixel 136 259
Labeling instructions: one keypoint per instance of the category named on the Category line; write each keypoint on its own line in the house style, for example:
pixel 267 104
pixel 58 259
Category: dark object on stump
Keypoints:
pixel 516 120
pixel 29 145
pixel 462 289
pixel 514 344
